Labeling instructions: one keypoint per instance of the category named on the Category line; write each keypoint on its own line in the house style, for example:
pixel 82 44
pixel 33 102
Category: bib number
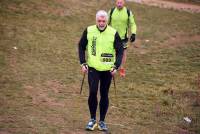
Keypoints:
pixel 107 58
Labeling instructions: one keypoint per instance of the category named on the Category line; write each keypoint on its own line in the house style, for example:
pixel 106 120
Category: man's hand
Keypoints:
pixel 84 67
pixel 113 70
pixel 132 38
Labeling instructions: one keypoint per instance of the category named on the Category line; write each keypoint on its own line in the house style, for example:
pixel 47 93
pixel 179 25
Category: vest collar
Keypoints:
pixel 120 9
pixel 102 30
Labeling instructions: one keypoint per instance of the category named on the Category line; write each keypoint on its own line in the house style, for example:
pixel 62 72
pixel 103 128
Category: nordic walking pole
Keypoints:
pixel 82 83
pixel 114 84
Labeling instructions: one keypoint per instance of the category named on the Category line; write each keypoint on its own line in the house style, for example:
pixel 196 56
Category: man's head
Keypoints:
pixel 120 4
pixel 101 19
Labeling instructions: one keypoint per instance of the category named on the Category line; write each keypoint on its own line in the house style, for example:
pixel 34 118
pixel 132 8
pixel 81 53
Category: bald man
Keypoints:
pixel 121 18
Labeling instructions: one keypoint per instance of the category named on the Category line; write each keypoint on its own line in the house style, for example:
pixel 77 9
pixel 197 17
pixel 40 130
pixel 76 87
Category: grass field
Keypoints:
pixel 40 74
pixel 196 2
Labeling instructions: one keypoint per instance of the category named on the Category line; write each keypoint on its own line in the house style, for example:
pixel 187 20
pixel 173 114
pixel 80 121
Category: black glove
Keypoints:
pixel 132 38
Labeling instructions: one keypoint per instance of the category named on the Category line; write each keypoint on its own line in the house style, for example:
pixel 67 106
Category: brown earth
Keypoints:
pixel 171 5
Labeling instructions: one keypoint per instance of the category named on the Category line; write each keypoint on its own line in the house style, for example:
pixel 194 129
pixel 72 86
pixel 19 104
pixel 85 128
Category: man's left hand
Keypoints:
pixel 132 38
pixel 113 71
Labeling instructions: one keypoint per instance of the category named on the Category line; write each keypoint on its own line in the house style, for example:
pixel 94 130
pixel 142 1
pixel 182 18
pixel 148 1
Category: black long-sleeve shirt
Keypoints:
pixel 117 45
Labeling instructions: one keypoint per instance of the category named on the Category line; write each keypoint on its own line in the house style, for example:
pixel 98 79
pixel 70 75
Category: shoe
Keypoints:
pixel 102 126
pixel 91 125
pixel 122 72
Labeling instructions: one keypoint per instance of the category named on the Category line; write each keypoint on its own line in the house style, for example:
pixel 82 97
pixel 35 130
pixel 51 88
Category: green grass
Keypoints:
pixel 40 80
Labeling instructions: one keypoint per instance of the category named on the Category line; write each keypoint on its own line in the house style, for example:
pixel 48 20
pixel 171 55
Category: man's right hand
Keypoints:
pixel 84 68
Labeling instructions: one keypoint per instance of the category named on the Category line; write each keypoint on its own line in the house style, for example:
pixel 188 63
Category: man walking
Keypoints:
pixel 104 56
pixel 121 18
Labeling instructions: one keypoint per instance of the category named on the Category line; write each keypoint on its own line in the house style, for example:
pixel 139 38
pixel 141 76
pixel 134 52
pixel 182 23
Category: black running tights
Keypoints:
pixel 94 77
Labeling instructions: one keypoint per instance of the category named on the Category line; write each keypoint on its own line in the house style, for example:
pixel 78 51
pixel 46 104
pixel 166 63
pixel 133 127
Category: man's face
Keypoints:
pixel 101 22
pixel 120 4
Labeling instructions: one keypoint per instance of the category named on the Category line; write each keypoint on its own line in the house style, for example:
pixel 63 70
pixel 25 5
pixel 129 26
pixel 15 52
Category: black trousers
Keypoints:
pixel 94 77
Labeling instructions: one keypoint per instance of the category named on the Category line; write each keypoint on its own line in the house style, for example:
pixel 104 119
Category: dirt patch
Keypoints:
pixel 48 93
pixel 180 39
pixel 62 8
pixel 198 81
pixel 183 131
pixel 3 132
pixel 170 5
pixel 193 97
pixel 175 41
pixel 43 94
pixel 138 47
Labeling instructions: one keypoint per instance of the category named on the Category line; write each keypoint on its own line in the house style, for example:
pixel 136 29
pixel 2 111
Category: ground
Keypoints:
pixel 40 73
pixel 170 4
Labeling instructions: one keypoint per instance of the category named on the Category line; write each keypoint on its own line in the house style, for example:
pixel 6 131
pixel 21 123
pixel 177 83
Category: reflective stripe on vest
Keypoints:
pixel 100 48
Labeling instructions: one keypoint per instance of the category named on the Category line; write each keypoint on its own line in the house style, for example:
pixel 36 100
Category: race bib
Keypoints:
pixel 107 58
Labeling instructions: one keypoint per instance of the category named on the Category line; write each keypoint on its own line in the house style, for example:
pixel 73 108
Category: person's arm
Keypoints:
pixel 132 23
pixel 109 21
pixel 119 50
pixel 82 47
pixel 110 12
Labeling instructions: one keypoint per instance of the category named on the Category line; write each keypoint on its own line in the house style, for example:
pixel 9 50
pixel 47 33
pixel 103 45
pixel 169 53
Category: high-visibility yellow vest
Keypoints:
pixel 100 48
pixel 121 20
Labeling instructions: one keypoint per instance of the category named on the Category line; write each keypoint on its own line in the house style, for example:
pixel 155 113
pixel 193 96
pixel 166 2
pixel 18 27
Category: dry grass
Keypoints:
pixel 195 2
pixel 40 77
